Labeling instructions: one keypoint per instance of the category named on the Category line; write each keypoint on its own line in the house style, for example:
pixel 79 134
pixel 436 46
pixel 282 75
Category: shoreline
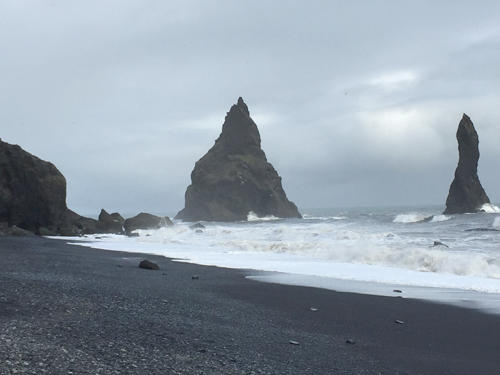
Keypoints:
pixel 66 308
pixel 468 291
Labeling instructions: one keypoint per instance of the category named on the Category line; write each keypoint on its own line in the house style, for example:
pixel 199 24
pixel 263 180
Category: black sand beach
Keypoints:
pixel 72 310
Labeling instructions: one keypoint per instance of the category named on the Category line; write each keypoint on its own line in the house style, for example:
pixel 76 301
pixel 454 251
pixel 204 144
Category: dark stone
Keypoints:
pixel 110 223
pixel 146 221
pixel 439 243
pixel 350 341
pixel 195 277
pixel 466 193
pixel 197 226
pixel 148 265
pixel 33 195
pixel 76 225
pixel 234 176
pixel 397 291
pixel 42 231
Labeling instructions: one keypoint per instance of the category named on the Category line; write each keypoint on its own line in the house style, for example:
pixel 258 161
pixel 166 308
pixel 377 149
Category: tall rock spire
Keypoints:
pixel 234 176
pixel 466 193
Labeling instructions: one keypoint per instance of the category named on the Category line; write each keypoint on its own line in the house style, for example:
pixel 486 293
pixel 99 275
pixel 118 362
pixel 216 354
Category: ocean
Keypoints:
pixel 404 252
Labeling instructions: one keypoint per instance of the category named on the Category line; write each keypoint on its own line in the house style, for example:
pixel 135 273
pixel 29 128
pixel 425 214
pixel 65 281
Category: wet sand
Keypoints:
pixel 67 309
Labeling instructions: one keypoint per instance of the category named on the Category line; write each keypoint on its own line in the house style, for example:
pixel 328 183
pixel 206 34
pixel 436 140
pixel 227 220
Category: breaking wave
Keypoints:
pixel 317 249
pixel 439 218
pixel 252 216
pixel 411 218
pixel 490 208
pixel 418 218
pixel 324 218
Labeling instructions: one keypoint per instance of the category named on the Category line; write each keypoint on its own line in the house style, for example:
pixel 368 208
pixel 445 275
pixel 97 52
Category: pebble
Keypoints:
pixel 294 342
pixel 399 322
pixel 314 309
pixel 148 265
pixel 350 341
pixel 195 277
pixel 397 291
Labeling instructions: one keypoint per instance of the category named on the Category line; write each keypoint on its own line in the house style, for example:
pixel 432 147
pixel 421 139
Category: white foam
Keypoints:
pixel 440 218
pixel 252 216
pixel 490 208
pixel 304 265
pixel 330 249
pixel 410 218
pixel 311 217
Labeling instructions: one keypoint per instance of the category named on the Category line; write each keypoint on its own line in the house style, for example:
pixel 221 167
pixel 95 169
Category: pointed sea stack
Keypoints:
pixel 466 193
pixel 234 177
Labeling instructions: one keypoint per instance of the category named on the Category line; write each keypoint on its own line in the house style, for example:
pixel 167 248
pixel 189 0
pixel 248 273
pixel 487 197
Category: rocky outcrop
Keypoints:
pixel 14 230
pixel 110 223
pixel 33 195
pixel 466 193
pixel 146 221
pixel 32 191
pixel 234 176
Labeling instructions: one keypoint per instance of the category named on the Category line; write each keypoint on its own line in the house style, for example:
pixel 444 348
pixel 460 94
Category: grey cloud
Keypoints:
pixel 357 102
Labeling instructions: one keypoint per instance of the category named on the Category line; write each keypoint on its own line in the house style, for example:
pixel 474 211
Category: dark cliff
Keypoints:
pixel 33 195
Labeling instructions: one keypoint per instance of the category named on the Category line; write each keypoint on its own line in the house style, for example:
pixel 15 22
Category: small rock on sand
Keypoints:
pixel 148 265
pixel 313 309
pixel 294 342
pixel 399 322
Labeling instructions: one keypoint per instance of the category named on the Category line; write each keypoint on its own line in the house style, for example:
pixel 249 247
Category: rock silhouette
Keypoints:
pixel 466 194
pixel 110 223
pixel 146 221
pixel 234 176
pixel 33 195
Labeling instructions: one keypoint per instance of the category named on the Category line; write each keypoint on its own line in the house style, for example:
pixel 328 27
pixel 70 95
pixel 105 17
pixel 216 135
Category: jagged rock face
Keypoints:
pixel 32 191
pixel 110 223
pixel 466 193
pixel 234 176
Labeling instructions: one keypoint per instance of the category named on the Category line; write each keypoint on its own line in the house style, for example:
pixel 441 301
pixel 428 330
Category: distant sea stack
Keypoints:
pixel 234 177
pixel 466 193
pixel 33 195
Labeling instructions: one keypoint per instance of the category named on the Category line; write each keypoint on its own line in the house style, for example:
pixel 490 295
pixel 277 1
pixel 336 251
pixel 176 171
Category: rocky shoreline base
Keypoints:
pixel 65 309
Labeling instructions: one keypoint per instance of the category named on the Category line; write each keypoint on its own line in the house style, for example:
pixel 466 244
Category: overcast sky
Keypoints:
pixel 357 102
